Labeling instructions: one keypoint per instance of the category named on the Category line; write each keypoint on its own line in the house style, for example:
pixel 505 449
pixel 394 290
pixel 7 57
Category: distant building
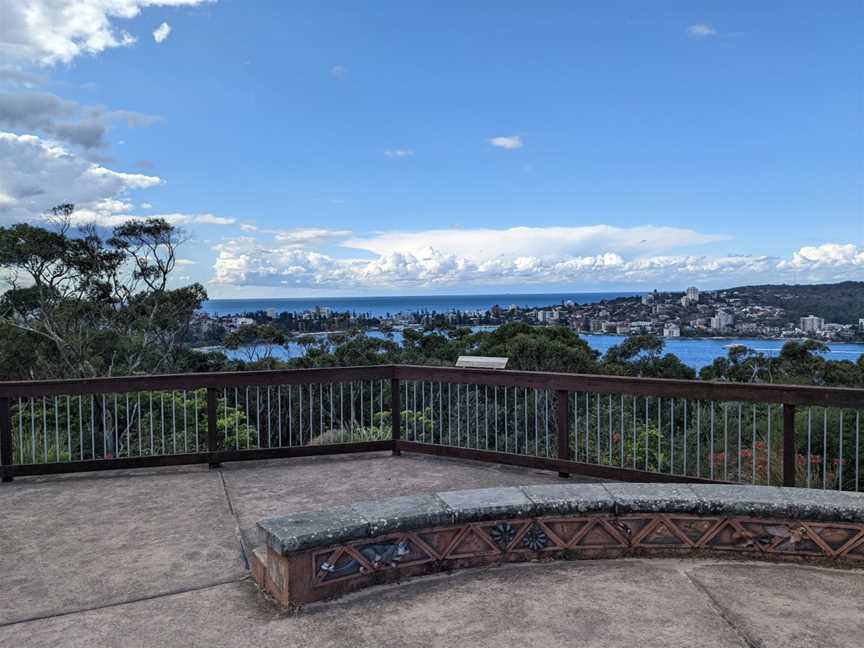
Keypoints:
pixel 693 294
pixel 642 326
pixel 811 324
pixel 670 329
pixel 685 301
pixel 861 324
pixel 722 320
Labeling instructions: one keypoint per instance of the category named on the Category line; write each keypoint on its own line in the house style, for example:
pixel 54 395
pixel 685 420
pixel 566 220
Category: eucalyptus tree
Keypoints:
pixel 80 304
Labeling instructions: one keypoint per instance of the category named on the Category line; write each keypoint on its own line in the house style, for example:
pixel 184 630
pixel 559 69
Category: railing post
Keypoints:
pixel 5 439
pixel 395 415
pixel 563 428
pixel 212 427
pixel 788 444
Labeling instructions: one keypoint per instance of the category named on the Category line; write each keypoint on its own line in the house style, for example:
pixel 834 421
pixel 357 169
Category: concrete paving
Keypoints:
pixel 268 489
pixel 152 558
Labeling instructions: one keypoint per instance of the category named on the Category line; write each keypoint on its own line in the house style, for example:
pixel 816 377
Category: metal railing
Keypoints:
pixel 604 426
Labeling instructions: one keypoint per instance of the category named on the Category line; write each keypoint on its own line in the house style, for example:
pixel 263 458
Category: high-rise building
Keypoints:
pixel 693 294
pixel 722 320
pixel 811 324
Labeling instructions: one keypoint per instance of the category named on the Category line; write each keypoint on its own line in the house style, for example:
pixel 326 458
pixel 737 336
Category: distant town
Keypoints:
pixel 758 311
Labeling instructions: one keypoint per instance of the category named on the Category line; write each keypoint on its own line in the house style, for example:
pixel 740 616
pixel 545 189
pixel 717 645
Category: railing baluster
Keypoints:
pixel 212 428
pixel 395 416
pixel 563 430
pixel 789 446
pixel 6 439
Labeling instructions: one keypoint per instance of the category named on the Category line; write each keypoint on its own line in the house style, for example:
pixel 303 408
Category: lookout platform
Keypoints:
pixel 158 557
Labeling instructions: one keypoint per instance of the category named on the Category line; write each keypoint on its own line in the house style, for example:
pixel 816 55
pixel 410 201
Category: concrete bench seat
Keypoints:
pixel 322 554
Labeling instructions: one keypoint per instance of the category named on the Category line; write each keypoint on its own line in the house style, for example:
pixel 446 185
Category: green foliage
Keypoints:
pixel 799 362
pixel 81 306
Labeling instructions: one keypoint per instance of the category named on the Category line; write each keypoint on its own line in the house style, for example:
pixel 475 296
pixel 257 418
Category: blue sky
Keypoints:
pixel 407 148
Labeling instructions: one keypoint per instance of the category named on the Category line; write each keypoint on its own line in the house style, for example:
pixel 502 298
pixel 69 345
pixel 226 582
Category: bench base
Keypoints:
pixel 325 573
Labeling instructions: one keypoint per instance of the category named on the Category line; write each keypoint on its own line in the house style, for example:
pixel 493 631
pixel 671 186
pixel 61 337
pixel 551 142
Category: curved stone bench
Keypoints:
pixel 322 554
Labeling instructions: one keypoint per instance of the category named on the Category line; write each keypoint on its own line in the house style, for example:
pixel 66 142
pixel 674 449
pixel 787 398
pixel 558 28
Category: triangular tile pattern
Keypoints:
pixel 855 550
pixel 599 534
pixel 471 543
pixel 661 532
pixel 695 529
pixel 439 540
pixel 565 530
pixel 654 531
pixel 519 527
pixel 837 537
pixel 527 539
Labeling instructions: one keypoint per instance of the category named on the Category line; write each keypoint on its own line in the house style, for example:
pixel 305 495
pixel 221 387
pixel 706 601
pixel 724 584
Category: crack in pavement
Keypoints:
pixel 722 612
pixel 149 597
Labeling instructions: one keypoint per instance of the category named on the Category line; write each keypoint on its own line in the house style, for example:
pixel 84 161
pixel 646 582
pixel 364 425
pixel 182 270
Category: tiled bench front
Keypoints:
pixel 323 554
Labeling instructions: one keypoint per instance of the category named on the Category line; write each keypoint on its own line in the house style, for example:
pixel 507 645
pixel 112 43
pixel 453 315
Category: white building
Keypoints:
pixel 722 320
pixel 693 294
pixel 641 326
pixel 670 329
pixel 811 324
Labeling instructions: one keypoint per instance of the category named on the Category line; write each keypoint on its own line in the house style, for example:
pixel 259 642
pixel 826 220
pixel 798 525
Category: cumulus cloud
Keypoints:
pixel 701 30
pixel 161 32
pixel 64 120
pixel 555 256
pixel 399 153
pixel 47 32
pixel 827 255
pixel 510 142
pixel 36 174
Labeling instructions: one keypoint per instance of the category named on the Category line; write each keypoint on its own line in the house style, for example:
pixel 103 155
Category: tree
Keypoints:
pixel 81 306
pixel 640 355
pixel 255 341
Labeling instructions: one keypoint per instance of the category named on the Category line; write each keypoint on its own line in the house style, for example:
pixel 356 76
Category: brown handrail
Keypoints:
pixel 696 389
pixel 788 396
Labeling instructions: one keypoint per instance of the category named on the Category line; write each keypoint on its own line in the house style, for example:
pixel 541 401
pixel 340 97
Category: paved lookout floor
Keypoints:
pixel 152 558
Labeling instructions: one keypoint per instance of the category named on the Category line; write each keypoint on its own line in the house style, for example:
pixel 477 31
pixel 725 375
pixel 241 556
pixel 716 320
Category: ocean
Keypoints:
pixel 694 352
pixel 392 305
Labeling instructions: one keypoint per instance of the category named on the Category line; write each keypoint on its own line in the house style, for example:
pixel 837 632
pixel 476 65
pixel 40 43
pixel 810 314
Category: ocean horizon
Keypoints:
pixel 384 305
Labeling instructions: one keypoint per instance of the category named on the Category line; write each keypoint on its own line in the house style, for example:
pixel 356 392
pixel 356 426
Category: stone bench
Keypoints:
pixel 323 554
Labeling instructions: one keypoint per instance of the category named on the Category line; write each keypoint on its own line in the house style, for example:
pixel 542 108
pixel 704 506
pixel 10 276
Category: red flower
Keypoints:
pixel 800 459
pixel 745 453
pixel 839 462
pixel 816 460
pixel 760 445
pixel 616 437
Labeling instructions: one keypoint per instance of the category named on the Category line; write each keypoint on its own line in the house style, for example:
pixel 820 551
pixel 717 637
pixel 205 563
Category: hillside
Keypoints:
pixel 841 302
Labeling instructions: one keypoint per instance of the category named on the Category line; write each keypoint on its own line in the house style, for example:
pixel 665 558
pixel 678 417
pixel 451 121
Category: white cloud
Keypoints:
pixel 510 142
pixel 488 243
pixel 701 30
pixel 399 153
pixel 339 72
pixel 161 32
pixel 827 255
pixel 36 174
pixel 47 32
pixel 555 256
